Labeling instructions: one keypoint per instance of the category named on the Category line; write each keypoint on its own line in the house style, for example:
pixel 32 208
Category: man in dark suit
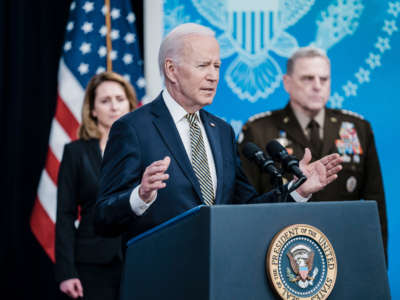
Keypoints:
pixel 307 82
pixel 174 134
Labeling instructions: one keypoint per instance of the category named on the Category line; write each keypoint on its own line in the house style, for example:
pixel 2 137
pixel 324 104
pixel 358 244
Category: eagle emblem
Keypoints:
pixel 301 259
pixel 255 32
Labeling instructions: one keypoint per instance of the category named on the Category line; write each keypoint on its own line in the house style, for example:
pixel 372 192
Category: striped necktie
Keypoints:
pixel 199 160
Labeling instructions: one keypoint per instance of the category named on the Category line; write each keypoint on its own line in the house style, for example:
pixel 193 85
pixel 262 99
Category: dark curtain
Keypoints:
pixel 31 38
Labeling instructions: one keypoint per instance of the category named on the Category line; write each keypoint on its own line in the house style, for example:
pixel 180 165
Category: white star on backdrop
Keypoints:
pixel 87 27
pixel 114 34
pixel 102 51
pixel 115 13
pixel 114 55
pixel 104 10
pixel 350 89
pixel 83 68
pixel 394 8
pixel 70 26
pixel 141 82
pixel 336 100
pixel 67 46
pixel 88 7
pixel 103 30
pixel 129 38
pixel 363 75
pixel 85 48
pixel 131 17
pixel 373 60
pixel 73 5
pixel 382 44
pixel 128 59
pixel 390 27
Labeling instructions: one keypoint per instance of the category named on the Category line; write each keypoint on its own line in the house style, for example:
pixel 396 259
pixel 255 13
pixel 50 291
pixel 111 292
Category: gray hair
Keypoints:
pixel 308 52
pixel 173 44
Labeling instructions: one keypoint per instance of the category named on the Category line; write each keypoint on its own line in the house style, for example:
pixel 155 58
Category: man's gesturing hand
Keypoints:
pixel 320 173
pixel 153 179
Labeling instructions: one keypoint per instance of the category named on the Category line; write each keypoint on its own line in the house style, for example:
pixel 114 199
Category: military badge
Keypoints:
pixel 351 184
pixel 349 142
pixel 301 263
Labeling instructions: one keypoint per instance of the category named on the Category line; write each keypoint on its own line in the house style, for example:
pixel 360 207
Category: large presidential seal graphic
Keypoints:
pixel 301 263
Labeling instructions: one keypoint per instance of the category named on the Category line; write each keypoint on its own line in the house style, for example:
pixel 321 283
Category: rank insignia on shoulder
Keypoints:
pixel 352 113
pixel 259 115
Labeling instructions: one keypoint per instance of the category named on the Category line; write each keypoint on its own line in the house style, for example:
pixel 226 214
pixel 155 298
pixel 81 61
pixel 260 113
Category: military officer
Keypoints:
pixel 306 122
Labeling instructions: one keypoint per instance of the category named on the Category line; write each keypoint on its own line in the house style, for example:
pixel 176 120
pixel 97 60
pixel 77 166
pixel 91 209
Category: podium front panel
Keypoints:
pixel 219 252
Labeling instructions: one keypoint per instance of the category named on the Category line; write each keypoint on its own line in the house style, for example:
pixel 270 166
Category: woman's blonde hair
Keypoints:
pixel 88 128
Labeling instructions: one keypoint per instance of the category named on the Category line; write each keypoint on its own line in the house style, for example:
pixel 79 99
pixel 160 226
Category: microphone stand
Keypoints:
pixel 280 190
pixel 277 183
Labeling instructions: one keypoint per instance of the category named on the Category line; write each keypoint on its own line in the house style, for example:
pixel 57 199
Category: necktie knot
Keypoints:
pixel 192 118
pixel 313 124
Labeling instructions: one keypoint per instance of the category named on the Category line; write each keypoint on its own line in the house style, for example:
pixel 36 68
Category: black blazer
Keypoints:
pixel 77 186
pixel 149 134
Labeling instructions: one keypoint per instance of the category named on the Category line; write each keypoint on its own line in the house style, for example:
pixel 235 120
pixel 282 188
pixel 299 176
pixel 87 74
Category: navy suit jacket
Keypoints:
pixel 149 134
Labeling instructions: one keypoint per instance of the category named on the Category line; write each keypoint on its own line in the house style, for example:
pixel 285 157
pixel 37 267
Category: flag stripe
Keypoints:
pixel 66 119
pixel 47 193
pixel 70 90
pixel 43 228
pixel 58 138
pixel 52 166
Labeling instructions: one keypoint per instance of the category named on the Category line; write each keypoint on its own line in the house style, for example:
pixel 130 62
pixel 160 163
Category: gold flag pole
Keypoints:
pixel 108 35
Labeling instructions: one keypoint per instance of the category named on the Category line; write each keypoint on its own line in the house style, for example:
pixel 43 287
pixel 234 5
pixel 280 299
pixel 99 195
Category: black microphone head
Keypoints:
pixel 276 150
pixel 250 149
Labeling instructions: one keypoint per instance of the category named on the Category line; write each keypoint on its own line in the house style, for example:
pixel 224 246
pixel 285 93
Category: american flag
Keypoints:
pixel 84 55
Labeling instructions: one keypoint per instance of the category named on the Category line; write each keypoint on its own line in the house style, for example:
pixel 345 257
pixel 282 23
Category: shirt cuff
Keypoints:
pixel 296 196
pixel 137 204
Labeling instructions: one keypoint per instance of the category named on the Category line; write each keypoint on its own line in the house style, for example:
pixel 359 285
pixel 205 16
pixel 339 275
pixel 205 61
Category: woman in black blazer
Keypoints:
pixel 87 265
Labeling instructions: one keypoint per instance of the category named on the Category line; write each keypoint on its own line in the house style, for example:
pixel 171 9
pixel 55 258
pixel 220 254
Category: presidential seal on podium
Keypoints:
pixel 301 263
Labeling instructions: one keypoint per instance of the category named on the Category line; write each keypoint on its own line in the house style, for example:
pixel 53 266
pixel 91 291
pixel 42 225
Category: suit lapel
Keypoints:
pixel 213 135
pixel 169 134
pixel 94 155
pixel 292 127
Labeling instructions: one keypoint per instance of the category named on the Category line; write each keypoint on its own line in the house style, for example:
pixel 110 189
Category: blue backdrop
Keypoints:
pixel 361 38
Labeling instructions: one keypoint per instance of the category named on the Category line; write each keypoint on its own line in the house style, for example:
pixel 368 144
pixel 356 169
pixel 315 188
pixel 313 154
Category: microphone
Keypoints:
pixel 289 162
pixel 254 153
